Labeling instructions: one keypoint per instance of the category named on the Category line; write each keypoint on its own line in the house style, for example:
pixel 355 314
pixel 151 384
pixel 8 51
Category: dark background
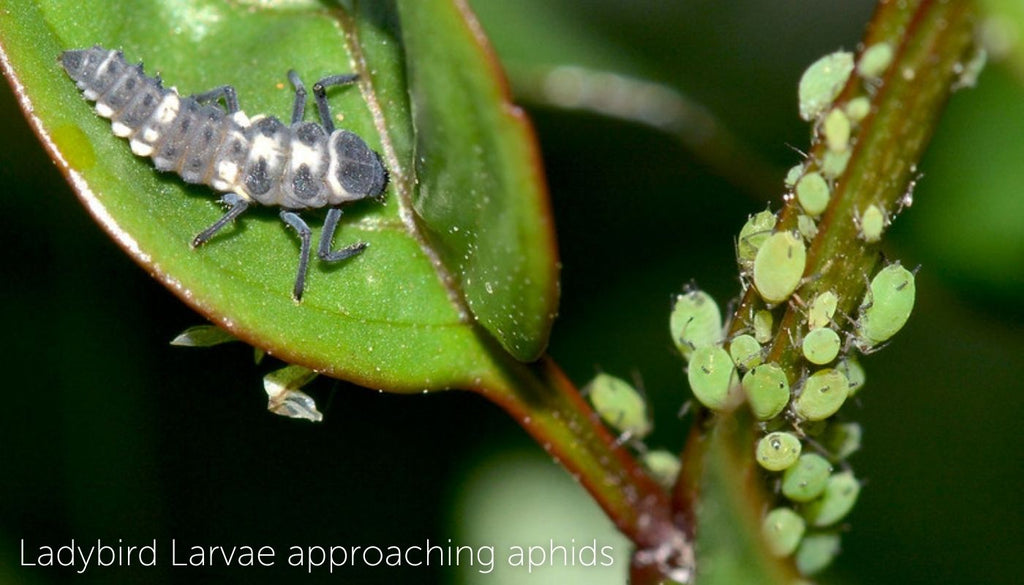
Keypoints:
pixel 108 432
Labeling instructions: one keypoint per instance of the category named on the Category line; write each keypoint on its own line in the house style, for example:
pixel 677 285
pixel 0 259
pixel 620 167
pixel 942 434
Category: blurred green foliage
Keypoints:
pixel 109 432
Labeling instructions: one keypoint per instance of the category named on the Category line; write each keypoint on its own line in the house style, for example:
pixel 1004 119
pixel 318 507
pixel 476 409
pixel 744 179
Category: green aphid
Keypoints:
pixel 620 405
pixel 842 440
pixel 664 467
pixel 875 60
pixel 696 322
pixel 745 352
pixel 822 309
pixel 763 322
pixel 752 235
pixel 822 82
pixel 807 479
pixel 782 530
pixel 872 224
pixel 793 175
pixel 854 372
pixel 816 552
pixel 822 395
pixel 767 390
pixel 713 378
pixel 807 227
pixel 886 306
pixel 834 163
pixel 837 130
pixel 813 194
pixel 778 451
pixel 821 345
pixel 858 108
pixel 835 502
pixel 779 265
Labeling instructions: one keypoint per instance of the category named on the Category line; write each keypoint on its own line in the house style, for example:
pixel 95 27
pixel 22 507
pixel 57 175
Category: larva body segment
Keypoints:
pixel 261 160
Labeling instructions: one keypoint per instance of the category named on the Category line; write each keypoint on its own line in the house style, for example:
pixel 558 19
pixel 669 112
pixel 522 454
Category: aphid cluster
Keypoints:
pixel 253 161
pixel 803 448
pixel 796 398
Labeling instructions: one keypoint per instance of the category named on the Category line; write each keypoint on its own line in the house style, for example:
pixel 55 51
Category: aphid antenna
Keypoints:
pixel 685 409
pixel 797 150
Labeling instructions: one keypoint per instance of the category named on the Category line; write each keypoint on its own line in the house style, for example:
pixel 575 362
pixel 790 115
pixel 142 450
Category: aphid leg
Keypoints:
pixel 320 96
pixel 327 236
pixel 299 109
pixel 296 223
pixel 225 92
pixel 238 205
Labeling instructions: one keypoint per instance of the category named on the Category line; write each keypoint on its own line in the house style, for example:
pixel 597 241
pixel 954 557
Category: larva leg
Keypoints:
pixel 327 236
pixel 225 92
pixel 320 95
pixel 299 109
pixel 238 205
pixel 296 223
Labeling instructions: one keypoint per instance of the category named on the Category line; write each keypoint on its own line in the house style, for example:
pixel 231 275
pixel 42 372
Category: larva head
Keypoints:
pixel 93 69
pixel 354 172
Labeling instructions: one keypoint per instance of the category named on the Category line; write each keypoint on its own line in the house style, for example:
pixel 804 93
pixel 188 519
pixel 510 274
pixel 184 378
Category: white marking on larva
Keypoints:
pixel 119 129
pixel 90 94
pixel 102 67
pixel 241 119
pixel 104 110
pixel 306 155
pixel 167 111
pixel 264 147
pixel 150 135
pixel 220 185
pixel 339 193
pixel 227 172
pixel 141 148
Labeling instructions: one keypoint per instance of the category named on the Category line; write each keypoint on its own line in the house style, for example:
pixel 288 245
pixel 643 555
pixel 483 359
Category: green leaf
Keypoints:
pixel 717 474
pixel 394 317
pixel 470 140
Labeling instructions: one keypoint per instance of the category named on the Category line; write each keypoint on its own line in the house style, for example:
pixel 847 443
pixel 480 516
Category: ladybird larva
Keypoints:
pixel 253 161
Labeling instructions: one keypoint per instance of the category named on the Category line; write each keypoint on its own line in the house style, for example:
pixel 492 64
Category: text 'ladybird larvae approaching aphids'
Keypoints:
pixel 257 160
